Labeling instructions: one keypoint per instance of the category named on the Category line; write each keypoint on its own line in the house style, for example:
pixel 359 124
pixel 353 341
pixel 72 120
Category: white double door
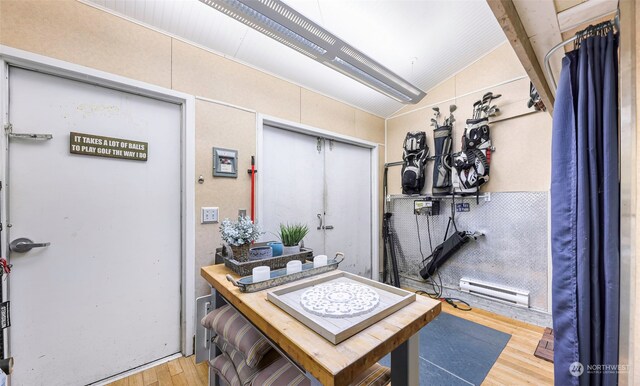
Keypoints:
pixel 325 184
pixel 104 296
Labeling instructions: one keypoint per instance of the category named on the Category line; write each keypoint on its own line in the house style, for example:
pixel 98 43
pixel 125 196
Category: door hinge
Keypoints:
pixel 5 315
pixel 319 144
pixel 8 128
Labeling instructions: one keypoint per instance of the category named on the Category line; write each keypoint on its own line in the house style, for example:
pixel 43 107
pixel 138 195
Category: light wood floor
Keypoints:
pixel 178 372
pixel 515 366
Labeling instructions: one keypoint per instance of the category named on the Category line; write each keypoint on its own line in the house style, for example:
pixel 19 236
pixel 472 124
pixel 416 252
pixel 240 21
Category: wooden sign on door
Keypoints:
pixel 98 146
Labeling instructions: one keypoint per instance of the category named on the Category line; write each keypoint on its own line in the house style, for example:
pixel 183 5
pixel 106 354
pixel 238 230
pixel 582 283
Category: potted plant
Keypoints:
pixel 239 235
pixel 291 235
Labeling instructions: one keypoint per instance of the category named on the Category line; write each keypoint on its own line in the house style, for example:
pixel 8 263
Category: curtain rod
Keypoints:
pixel 615 22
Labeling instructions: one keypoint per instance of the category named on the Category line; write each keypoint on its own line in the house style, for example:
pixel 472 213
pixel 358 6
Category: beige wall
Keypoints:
pixel 77 33
pixel 522 158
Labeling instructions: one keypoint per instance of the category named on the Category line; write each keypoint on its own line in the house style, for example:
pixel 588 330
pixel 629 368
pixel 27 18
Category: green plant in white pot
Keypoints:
pixel 291 235
pixel 239 235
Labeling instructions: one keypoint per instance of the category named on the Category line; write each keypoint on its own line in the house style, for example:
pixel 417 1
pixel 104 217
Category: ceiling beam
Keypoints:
pixel 507 15
pixel 540 20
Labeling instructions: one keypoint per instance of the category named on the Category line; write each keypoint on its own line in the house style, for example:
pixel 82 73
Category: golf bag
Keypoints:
pixel 414 156
pixel 444 251
pixel 535 99
pixel 471 165
pixel 442 163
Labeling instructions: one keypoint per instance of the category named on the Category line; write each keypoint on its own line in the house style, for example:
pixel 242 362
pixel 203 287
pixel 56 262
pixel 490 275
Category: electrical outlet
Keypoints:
pixel 429 207
pixel 209 215
pixel 421 207
pixel 242 212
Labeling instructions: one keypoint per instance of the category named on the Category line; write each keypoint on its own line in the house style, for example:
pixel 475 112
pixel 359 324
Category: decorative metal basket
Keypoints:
pixel 241 252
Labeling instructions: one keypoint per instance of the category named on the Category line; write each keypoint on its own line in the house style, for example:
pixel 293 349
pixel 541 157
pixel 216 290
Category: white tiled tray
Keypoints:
pixel 338 328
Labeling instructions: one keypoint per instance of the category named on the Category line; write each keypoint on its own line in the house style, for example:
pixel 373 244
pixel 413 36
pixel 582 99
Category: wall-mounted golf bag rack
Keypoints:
pixel 471 165
pixel 414 157
pixel 442 161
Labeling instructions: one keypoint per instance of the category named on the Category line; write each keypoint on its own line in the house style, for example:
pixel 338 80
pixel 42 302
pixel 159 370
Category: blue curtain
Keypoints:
pixel 585 213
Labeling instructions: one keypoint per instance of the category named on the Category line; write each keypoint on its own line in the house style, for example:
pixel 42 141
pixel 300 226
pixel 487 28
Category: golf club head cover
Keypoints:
pixel 442 163
pixel 414 156
pixel 476 134
pixel 471 171
pixel 471 165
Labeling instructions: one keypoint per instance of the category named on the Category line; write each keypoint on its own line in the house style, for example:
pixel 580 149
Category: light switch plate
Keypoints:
pixel 209 215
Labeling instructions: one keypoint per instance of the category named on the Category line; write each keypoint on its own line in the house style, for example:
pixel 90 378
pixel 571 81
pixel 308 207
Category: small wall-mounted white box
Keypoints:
pixel 209 215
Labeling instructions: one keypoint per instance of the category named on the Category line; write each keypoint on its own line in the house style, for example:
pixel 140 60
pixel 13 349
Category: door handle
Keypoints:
pixel 320 218
pixel 23 244
pixel 328 227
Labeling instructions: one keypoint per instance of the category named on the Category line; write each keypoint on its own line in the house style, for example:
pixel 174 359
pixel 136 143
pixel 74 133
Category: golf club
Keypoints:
pixel 436 114
pixel 493 97
pixel 486 99
pixel 475 109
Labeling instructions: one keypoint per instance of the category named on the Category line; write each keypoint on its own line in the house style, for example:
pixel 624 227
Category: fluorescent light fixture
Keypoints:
pixel 286 25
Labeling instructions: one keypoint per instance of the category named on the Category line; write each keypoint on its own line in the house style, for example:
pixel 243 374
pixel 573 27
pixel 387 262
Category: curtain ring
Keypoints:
pixel 600 30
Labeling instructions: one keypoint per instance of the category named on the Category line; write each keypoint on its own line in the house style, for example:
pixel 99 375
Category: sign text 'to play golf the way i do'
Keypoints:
pixel 95 145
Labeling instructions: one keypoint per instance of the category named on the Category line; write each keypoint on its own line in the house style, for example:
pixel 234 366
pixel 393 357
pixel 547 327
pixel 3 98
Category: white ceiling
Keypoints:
pixel 424 41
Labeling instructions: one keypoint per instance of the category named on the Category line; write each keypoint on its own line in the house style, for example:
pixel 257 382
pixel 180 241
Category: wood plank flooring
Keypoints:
pixel 178 372
pixel 516 365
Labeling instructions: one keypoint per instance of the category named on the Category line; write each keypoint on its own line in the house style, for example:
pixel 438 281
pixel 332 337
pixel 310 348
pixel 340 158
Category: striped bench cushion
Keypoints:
pixel 282 372
pixel 244 371
pixel 223 367
pixel 238 333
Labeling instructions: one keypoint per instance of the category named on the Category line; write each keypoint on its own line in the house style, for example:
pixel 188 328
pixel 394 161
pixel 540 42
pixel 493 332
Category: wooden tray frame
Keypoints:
pixel 406 298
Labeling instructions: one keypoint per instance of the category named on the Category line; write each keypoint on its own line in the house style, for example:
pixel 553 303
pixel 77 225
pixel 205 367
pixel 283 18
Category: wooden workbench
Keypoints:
pixel 333 364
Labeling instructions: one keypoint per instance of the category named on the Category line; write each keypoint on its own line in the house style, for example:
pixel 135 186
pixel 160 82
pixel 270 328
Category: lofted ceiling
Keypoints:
pixel 424 41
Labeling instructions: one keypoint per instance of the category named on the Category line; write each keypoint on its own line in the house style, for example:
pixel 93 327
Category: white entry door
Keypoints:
pixel 293 187
pixel 104 296
pixel 348 205
pixel 325 184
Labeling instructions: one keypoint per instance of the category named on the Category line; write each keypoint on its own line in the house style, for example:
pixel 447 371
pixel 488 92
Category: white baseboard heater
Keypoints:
pixel 513 296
